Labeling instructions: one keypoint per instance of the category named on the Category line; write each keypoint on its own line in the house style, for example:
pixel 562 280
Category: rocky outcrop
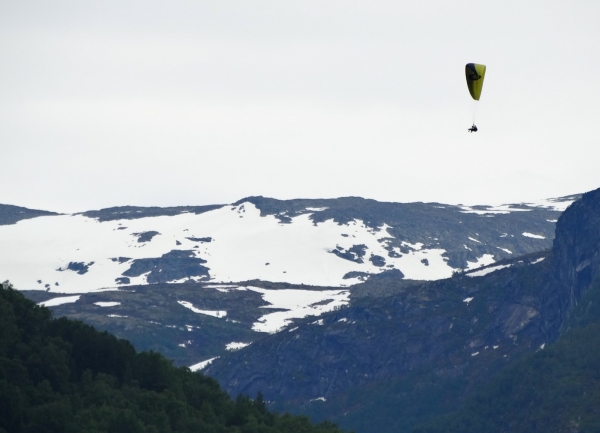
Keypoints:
pixel 135 212
pixel 10 214
pixel 172 266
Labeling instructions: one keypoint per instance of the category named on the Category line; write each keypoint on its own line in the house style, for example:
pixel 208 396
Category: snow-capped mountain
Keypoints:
pixel 197 282
pixel 323 301
pixel 337 242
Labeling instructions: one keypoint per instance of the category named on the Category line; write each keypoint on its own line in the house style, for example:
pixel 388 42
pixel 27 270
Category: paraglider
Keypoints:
pixel 475 74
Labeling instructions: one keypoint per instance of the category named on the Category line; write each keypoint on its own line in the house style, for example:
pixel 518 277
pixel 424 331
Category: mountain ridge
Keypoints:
pixel 318 242
pixel 10 214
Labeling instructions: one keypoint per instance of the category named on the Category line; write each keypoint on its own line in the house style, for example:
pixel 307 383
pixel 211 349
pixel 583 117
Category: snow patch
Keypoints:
pixel 59 301
pixel 531 235
pixel 235 346
pixel 555 204
pixel 502 209
pixel 217 313
pixel 298 304
pixel 107 304
pixel 467 300
pixel 486 271
pixel 202 365
pixel 485 260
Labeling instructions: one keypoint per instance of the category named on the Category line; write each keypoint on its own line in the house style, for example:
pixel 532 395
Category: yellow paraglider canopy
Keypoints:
pixel 475 74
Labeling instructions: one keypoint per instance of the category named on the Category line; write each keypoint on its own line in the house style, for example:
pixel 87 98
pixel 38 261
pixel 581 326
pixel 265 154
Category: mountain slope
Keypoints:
pixel 58 375
pixel 161 264
pixel 440 339
pixel 390 363
pixel 190 323
pixel 556 389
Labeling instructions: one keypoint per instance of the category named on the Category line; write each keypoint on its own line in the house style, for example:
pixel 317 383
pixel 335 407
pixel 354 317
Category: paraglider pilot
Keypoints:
pixel 474 73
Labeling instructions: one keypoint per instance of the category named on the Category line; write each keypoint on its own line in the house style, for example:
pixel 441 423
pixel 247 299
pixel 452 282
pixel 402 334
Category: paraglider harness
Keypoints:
pixel 472 128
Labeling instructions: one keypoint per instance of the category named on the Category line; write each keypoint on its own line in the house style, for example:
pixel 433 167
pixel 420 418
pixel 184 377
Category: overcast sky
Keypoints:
pixel 107 103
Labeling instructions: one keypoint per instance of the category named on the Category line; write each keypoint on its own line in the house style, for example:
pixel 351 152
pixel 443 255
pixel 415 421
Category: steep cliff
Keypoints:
pixel 577 246
pixel 555 389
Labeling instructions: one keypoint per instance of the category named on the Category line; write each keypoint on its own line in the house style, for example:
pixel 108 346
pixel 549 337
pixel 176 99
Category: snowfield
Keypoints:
pixel 243 246
pixel 233 243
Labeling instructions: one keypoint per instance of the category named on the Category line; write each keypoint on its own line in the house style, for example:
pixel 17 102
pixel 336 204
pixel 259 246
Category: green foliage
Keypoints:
pixel 554 390
pixel 59 375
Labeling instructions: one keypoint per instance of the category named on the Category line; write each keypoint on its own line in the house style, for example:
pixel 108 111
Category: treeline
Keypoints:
pixel 60 375
pixel 556 389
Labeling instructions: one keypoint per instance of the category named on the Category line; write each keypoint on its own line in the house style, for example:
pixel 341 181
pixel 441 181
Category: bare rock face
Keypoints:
pixel 577 247
pixel 517 317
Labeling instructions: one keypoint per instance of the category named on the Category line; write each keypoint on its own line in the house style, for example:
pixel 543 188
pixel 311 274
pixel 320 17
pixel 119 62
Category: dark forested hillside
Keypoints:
pixel 59 375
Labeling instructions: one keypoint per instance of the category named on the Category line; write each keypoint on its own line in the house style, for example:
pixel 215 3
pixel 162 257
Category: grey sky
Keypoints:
pixel 107 103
